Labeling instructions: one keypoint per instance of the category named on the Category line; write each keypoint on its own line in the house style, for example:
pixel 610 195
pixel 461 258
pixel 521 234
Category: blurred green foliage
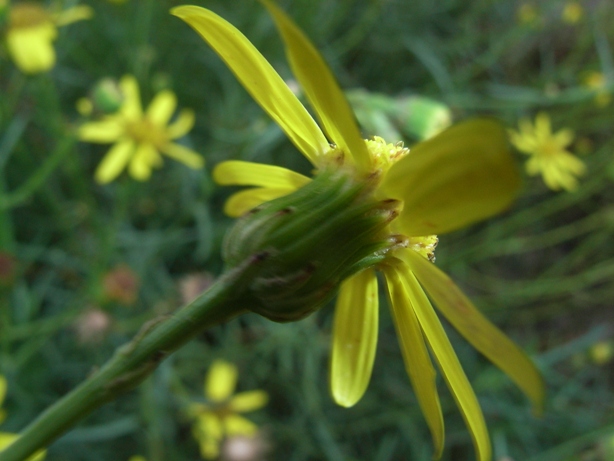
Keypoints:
pixel 542 271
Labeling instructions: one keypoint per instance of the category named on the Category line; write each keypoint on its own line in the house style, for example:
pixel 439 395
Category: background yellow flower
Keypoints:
pixel 32 30
pixel 141 137
pixel 220 416
pixel 548 152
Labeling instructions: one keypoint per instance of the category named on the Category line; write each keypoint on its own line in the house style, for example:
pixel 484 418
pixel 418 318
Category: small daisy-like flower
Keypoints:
pixel 548 152
pixel 7 438
pixel 220 417
pixel 32 30
pixel 462 175
pixel 141 137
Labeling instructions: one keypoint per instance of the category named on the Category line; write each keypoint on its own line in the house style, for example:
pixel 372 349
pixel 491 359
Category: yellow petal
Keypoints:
pixel 259 79
pixel 476 328
pixel 162 107
pixel 563 137
pixel 221 381
pixel 131 106
pixel 448 363
pixel 542 125
pixel 6 439
pixel 182 125
pixel 354 338
pixel 416 357
pixel 240 173
pixel 208 430
pixel 240 203
pixel 32 48
pixel 248 401
pixel 238 425
pixel 104 131
pixel 114 161
pixel 321 88
pixel 209 425
pixel 144 159
pixel 184 155
pixel 462 175
pixel 74 14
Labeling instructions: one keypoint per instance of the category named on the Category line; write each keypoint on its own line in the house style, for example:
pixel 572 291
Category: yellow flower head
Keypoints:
pixel 572 12
pixel 32 30
pixel 7 438
pixel 219 417
pixel 548 154
pixel 140 137
pixel 602 352
pixel 462 175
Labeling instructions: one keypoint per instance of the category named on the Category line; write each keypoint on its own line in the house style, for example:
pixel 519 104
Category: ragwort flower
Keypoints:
pixel 7 438
pixel 460 176
pixel 548 154
pixel 219 418
pixel 140 137
pixel 32 30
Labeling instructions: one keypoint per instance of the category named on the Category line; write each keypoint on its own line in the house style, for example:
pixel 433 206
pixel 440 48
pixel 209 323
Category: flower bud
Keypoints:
pixel 107 96
pixel 303 245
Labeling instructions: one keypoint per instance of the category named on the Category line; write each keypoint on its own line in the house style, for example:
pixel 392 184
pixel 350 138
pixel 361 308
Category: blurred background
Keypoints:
pixel 83 265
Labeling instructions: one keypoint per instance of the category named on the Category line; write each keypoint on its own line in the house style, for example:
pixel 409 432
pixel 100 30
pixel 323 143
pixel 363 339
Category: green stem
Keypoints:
pixel 133 362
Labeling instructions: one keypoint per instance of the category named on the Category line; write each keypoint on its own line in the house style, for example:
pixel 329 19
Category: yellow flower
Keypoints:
pixel 597 82
pixel 220 418
pixel 32 30
pixel 602 352
pixel 139 136
pixel 548 154
pixel 7 438
pixel 462 175
pixel 572 12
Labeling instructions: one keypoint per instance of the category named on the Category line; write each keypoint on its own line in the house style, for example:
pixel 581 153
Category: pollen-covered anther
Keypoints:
pixel 425 246
pixel 385 154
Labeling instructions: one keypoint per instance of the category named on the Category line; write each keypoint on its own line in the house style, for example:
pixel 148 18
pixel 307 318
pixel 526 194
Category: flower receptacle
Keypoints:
pixel 306 243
